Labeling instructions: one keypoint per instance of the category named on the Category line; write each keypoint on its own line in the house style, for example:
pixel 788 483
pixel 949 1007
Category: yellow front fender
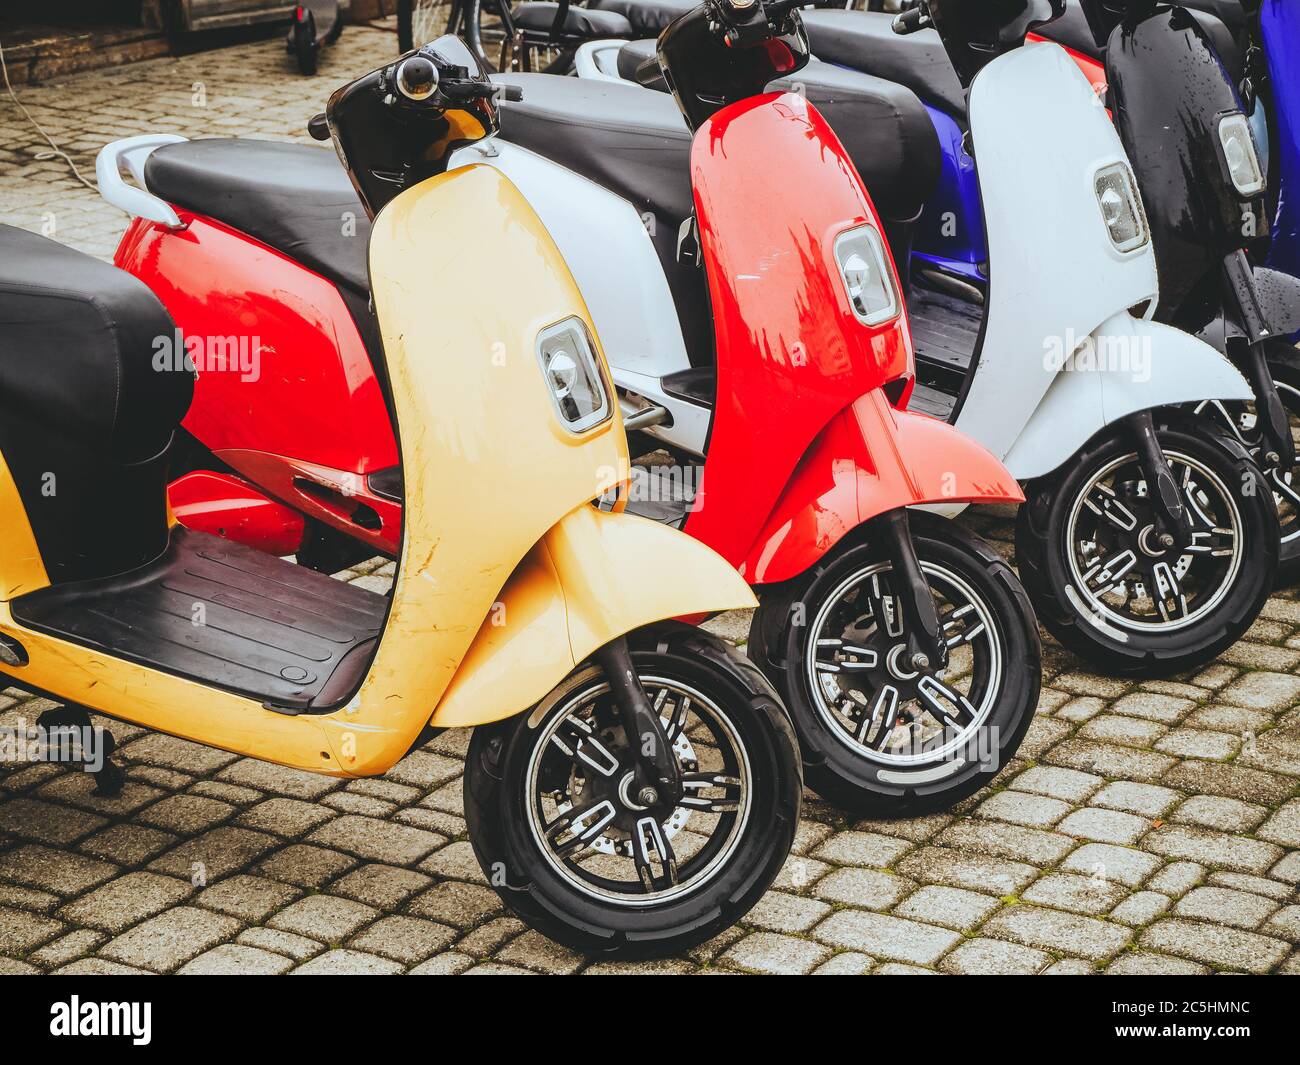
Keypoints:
pixel 594 576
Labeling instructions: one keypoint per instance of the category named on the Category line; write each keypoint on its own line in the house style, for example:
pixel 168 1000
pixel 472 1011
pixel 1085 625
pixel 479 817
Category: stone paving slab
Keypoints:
pixel 1147 827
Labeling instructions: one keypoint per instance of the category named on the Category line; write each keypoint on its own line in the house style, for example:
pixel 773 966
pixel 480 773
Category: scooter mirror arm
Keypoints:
pixel 926 648
pixel 658 776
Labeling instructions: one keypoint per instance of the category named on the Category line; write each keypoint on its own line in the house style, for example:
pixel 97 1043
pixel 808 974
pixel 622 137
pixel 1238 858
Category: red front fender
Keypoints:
pixel 870 458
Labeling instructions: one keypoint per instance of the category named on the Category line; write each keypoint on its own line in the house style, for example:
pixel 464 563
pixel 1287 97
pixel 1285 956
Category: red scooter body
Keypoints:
pixel 798 372
pixel 307 425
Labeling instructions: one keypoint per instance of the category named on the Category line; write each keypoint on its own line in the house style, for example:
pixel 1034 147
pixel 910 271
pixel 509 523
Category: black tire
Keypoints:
pixel 843 773
pixel 305 47
pixel 1042 555
pixel 499 808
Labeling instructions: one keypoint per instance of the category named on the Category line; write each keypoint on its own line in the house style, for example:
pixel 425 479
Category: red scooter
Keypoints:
pixel 905 647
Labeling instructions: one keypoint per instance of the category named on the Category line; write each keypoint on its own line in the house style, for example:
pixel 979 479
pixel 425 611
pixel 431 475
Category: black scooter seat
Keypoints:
pixel 866 41
pixel 648 18
pixel 589 24
pixel 295 198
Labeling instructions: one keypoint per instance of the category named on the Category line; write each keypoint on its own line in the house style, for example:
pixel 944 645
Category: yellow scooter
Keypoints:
pixel 632 784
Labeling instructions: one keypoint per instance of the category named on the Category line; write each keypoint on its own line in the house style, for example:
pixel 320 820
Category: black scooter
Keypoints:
pixel 1186 132
pixel 315 23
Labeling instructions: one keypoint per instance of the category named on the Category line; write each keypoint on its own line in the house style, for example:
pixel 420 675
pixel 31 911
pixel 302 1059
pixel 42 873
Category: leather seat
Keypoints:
pixel 589 24
pixel 883 126
pixel 648 18
pixel 88 405
pixel 292 197
pixel 866 41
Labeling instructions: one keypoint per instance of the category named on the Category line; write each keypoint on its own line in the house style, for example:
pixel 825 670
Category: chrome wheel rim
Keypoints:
pixel 1118 576
pixel 876 705
pixel 582 813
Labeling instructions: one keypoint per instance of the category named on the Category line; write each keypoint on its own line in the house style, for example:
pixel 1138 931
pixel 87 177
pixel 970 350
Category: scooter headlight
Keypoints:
pixel 1240 155
pixel 869 282
pixel 1121 209
pixel 573 376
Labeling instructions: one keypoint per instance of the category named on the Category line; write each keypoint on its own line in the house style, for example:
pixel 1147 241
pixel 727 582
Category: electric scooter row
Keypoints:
pixel 911 646
pixel 632 784
pixel 1148 543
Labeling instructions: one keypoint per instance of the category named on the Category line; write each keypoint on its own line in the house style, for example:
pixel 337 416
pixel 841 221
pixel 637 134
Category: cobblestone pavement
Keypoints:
pixel 1144 827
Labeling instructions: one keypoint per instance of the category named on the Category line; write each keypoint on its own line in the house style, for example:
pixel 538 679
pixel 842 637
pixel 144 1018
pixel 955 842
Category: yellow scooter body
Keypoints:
pixel 509 574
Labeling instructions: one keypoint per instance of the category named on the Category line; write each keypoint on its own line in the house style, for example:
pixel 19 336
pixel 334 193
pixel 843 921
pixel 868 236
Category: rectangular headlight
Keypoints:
pixel 1121 209
pixel 864 268
pixel 573 376
pixel 1240 155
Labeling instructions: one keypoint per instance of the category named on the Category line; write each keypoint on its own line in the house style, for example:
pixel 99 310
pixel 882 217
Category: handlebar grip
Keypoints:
pixel 511 93
pixel 318 127
pixel 911 20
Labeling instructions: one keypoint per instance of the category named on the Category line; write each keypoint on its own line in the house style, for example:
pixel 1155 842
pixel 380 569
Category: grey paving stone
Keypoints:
pixel 1288 869
pixel 1078 894
pixel 1263 691
pixel 1222 906
pixel 886 937
pixel 385 887
pixel 1149 800
pixel 288 818
pixel 1212 848
pixel 1109 760
pixel 185 814
pixel 1235 781
pixel 457 904
pixel 1217 812
pixel 1226 948
pixel 47 823
pixel 404 939
pixel 1069 967
pixel 778 911
pixel 452 964
pixel 212 855
pixel 866 888
pixel 1140 908
pixel 1285 924
pixel 21 931
pixel 1177 879
pixel 286 943
pixel 168 941
pixel 1067 784
pixel 347 962
pixel 1283 827
pixel 1199 743
pixel 234 959
pixel 1020 808
pixel 993 876
pixel 1083 708
pixel 1144 963
pixel 304 866
pixel 1116 728
pixel 278 780
pixel 376 841
pixel 894 968
pixel 1006 841
pixel 122 902
pixel 947 906
pixel 1067 933
pixel 59 872
pixel 99 967
pixel 863 849
pixel 128 844
pixel 250 898
pixel 67 948
pixel 455 861
pixel 1255 885
pixel 1153 706
pixel 994 957
pixel 323 917
pixel 1103 861
pixel 768 952
pixel 1104 826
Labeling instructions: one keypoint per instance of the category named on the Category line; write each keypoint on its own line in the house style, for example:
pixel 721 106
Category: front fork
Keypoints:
pixel 658 777
pixel 926 649
pixel 1173 523
pixel 1278 450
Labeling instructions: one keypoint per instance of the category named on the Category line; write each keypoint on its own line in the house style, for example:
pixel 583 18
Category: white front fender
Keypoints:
pixel 1127 365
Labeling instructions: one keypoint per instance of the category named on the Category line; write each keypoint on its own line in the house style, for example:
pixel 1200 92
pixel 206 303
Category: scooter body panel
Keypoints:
pixel 1170 90
pixel 297 349
pixel 230 507
pixel 557 608
pixel 606 243
pixel 1121 370
pixel 871 458
pixel 791 352
pixel 1056 275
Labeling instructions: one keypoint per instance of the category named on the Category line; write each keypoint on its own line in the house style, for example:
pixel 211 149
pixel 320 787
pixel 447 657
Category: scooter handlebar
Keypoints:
pixel 912 19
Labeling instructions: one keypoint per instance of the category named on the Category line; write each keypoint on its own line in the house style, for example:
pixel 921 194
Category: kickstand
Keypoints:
pixel 71 739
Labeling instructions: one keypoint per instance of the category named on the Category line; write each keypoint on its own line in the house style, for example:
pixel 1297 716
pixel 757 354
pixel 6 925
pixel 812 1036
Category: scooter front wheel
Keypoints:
pixel 560 832
pixel 1104 586
pixel 879 737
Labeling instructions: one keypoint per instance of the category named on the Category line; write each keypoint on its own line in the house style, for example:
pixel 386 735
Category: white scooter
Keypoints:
pixel 1148 542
